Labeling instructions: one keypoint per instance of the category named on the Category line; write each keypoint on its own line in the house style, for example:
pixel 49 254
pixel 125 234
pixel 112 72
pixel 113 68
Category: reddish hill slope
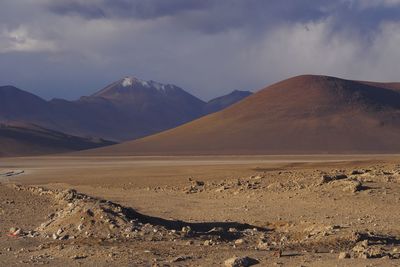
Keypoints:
pixel 304 114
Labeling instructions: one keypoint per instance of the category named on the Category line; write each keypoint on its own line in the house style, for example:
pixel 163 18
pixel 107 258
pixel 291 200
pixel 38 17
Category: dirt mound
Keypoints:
pixel 80 216
pixel 83 216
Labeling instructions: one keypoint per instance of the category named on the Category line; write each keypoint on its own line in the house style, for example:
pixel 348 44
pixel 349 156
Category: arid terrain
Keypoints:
pixel 202 133
pixel 200 211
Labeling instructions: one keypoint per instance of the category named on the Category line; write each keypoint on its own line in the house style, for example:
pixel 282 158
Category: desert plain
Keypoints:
pixel 314 210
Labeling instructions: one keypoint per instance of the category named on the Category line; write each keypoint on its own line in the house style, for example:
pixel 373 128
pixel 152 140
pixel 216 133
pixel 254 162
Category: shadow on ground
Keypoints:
pixel 221 229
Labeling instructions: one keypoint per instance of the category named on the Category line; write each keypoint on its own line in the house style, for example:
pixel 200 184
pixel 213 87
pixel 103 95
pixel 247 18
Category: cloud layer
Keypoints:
pixel 67 48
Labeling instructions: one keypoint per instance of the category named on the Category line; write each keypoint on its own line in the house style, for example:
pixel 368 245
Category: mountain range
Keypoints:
pixel 127 109
pixel 301 115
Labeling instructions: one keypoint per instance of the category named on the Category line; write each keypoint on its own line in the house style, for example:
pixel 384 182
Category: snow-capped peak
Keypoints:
pixel 127 81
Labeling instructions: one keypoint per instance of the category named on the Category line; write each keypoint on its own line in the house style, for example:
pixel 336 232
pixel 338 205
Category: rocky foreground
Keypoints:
pixel 65 227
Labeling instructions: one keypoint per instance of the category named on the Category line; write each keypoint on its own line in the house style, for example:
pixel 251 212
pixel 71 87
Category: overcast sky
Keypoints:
pixel 69 48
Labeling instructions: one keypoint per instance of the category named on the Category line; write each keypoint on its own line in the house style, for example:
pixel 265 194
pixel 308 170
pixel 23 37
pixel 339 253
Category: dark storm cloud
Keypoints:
pixel 205 15
pixel 76 8
pixel 148 9
pixel 213 16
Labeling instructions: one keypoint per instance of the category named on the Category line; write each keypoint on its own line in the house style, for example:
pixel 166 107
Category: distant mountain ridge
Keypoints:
pixel 18 139
pixel 127 109
pixel 219 103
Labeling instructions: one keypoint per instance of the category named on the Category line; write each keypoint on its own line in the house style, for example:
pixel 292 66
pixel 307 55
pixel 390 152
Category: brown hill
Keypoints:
pixel 25 140
pixel 304 114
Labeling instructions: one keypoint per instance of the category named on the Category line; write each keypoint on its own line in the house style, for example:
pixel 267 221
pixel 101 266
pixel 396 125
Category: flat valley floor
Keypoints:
pixel 315 210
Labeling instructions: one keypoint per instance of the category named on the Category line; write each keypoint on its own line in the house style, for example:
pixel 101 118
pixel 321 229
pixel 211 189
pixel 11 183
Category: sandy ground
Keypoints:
pixel 277 210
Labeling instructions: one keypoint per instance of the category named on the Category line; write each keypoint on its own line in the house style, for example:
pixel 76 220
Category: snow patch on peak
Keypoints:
pixel 127 81
pixel 158 86
pixel 131 81
pixel 144 83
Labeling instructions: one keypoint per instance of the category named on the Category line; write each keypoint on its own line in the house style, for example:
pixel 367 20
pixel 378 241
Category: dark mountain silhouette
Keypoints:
pixel 18 139
pixel 225 101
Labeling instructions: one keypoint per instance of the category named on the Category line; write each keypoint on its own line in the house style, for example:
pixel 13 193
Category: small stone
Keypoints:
pixel 239 242
pixel 240 262
pixel 187 231
pixel 17 232
pixel 363 256
pixel 221 189
pixel 344 255
pixel 365 243
pixel 353 186
pixel 355 172
pixel 328 178
pixel 181 258
pixel 199 183
pixel 208 243
pixel 78 257
pixel 263 245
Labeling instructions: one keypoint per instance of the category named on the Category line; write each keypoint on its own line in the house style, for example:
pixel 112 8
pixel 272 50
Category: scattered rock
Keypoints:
pixel 239 242
pixel 187 231
pixel 14 231
pixel 199 183
pixel 221 189
pixel 78 257
pixel 181 258
pixel 208 243
pixel 262 245
pixel 329 178
pixel 353 186
pixel 356 172
pixel 240 262
pixel 344 255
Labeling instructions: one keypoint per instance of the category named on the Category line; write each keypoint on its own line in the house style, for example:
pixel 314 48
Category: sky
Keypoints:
pixel 70 48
